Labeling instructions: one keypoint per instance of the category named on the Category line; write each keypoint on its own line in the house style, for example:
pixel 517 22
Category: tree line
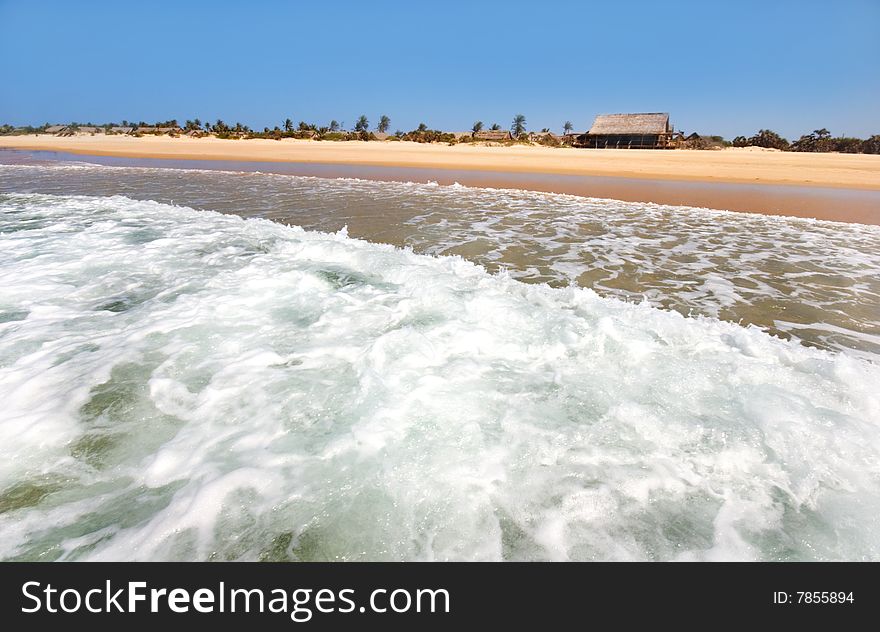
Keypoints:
pixel 819 140
pixel 288 129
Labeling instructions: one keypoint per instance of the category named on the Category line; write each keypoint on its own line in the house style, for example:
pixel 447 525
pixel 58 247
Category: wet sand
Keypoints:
pixel 829 203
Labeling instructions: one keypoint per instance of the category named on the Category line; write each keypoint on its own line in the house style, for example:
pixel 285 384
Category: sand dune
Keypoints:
pixel 852 171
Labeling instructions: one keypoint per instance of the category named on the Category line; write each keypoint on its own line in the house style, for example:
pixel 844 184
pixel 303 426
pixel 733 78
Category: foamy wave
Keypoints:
pixel 190 385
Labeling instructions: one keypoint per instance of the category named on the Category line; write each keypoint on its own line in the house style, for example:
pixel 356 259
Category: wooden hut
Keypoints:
pixel 493 134
pixel 629 131
pixel 55 129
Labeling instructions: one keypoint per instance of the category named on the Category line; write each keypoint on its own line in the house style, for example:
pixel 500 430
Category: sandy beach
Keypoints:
pixel 745 166
pixel 838 187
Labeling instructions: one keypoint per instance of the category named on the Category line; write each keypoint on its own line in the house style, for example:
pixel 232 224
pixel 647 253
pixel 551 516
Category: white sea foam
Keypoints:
pixel 180 384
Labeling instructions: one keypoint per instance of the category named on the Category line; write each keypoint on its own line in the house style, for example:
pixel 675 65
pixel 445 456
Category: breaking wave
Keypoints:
pixel 188 385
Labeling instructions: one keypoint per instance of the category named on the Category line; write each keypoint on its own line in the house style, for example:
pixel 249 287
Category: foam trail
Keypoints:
pixel 180 384
pixel 782 274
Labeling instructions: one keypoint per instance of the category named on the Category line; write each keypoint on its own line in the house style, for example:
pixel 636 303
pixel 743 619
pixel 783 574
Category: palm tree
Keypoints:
pixel 422 127
pixel 384 124
pixel 477 127
pixel 495 127
pixel 567 127
pixel 288 125
pixel 198 124
pixel 518 127
pixel 362 125
pixel 334 126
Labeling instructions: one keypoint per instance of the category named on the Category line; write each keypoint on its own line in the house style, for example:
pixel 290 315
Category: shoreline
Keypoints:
pixel 736 166
pixel 521 167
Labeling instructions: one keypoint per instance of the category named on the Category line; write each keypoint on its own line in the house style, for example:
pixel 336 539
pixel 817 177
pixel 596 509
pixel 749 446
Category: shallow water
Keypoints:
pixel 182 384
pixel 814 281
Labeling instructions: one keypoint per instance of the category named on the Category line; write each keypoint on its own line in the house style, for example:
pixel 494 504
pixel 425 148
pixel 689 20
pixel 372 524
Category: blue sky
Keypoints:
pixel 718 67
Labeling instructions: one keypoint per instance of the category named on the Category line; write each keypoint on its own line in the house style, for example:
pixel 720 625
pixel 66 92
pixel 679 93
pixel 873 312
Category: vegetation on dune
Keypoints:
pixel 697 141
pixel 424 135
pixel 817 141
pixel 765 138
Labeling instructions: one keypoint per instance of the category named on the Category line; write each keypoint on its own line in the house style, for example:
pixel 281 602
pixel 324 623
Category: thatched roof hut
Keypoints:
pixel 651 123
pixel 649 130
pixel 493 134
pixel 122 130
pixel 54 129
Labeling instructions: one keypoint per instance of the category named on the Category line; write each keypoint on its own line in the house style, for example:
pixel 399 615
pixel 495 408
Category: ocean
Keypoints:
pixel 200 365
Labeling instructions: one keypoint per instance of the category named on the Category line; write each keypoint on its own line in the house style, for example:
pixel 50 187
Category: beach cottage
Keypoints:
pixel 629 131
pixel 493 134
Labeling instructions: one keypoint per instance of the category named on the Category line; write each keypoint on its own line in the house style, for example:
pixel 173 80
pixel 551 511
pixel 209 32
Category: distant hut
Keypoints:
pixel 195 133
pixel 55 129
pixel 88 129
pixel 493 134
pixel 381 135
pixel 539 136
pixel 121 130
pixel 629 131
pixel 571 138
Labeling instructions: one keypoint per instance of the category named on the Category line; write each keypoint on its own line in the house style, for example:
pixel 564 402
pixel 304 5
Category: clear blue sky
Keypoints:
pixel 718 67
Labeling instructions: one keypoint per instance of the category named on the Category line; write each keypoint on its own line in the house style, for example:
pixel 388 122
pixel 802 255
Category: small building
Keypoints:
pixel 88 129
pixel 55 129
pixel 121 130
pixel 629 131
pixel 494 135
pixel 539 136
pixel 381 135
pixel 196 133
